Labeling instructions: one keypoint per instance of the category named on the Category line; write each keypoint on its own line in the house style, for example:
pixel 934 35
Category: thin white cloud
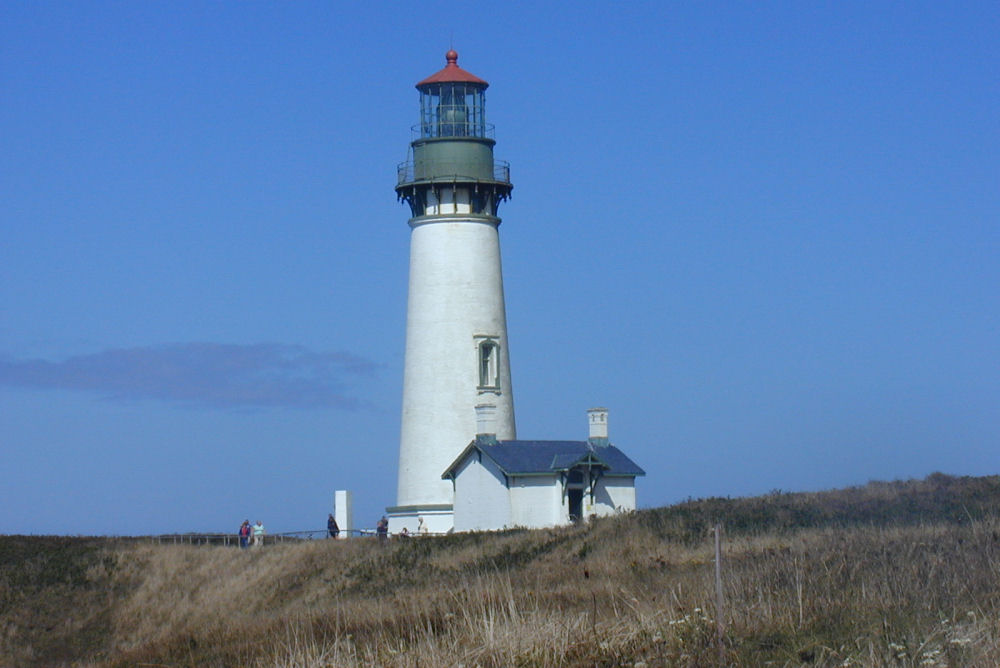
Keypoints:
pixel 211 375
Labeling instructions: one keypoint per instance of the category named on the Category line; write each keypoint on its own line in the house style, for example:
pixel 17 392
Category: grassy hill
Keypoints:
pixel 888 574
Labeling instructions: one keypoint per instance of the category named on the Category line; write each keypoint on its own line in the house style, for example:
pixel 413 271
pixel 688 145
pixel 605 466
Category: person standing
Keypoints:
pixel 382 529
pixel 245 534
pixel 331 526
pixel 258 534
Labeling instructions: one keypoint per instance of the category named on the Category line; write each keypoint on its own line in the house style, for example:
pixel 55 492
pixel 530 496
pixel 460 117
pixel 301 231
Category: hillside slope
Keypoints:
pixel 887 574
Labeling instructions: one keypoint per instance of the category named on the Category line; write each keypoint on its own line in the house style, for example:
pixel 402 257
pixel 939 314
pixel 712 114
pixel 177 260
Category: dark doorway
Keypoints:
pixel 575 499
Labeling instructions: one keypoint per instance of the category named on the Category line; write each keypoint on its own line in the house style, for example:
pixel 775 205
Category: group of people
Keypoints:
pixel 254 532
pixel 382 529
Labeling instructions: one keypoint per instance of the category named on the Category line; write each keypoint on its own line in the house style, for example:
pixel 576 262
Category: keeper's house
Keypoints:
pixel 536 484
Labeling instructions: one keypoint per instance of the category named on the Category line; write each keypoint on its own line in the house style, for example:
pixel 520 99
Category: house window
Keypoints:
pixel 489 364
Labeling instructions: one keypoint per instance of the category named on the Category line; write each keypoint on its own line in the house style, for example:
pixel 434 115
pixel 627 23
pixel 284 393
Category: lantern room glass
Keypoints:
pixel 452 109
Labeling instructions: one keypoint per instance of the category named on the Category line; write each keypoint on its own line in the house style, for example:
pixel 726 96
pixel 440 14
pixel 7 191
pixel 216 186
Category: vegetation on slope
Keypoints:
pixel 937 498
pixel 54 598
pixel 889 574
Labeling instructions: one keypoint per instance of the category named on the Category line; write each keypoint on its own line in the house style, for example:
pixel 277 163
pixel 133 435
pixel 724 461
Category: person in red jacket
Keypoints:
pixel 245 534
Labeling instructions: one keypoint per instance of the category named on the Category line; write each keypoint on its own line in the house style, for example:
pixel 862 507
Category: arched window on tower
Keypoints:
pixel 489 365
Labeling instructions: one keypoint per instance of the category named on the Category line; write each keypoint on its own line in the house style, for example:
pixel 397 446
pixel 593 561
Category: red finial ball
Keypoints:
pixel 451 57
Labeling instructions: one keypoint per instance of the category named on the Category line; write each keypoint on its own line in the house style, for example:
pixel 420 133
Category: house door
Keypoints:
pixel 575 499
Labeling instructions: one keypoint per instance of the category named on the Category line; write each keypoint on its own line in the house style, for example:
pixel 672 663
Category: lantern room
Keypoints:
pixel 451 170
pixel 452 102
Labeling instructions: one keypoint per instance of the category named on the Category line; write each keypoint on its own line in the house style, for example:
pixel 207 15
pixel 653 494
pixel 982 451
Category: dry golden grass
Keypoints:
pixel 635 590
pixel 903 596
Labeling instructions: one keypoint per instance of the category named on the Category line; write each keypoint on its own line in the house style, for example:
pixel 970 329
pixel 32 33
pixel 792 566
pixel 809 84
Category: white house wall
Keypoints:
pixel 536 502
pixel 481 499
pixel 613 495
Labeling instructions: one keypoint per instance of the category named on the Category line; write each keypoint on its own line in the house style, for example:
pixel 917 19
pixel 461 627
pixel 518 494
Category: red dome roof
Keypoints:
pixel 452 73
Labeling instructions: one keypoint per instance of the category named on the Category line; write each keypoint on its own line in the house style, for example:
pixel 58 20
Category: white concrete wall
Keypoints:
pixel 482 502
pixel 343 511
pixel 613 495
pixel 436 521
pixel 536 502
pixel 455 293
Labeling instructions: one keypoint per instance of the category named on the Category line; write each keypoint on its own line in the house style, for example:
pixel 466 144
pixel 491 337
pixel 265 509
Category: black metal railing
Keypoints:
pixel 233 540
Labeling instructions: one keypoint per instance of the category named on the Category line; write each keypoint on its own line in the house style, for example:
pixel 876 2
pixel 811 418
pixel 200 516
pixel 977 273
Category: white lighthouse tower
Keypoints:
pixel 457 353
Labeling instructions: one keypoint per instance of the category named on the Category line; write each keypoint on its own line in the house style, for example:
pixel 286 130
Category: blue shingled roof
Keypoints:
pixel 533 457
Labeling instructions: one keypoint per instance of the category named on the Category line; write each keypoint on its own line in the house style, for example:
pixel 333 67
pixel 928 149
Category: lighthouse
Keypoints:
pixel 457 363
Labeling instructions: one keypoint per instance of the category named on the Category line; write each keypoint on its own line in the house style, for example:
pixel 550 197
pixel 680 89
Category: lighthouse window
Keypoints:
pixel 489 368
pixel 452 109
pixel 452 112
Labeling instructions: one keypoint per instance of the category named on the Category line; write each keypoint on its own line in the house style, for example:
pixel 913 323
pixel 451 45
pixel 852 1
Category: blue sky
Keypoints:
pixel 765 235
